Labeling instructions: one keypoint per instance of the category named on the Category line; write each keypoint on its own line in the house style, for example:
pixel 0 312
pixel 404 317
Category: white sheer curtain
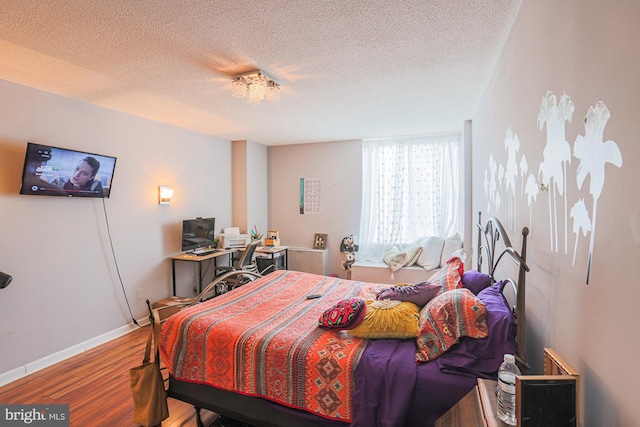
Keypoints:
pixel 411 188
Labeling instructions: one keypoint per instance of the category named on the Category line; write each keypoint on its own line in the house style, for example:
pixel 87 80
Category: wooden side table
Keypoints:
pixel 466 413
pixel 487 391
pixel 272 252
pixel 477 409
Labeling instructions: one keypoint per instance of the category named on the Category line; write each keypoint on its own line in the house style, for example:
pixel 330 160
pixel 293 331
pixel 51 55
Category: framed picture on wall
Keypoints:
pixel 320 241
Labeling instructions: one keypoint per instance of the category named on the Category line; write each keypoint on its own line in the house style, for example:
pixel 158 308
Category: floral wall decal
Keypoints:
pixel 511 145
pixel 581 221
pixel 531 191
pixel 557 153
pixel 594 154
pixel 524 168
pixel 491 184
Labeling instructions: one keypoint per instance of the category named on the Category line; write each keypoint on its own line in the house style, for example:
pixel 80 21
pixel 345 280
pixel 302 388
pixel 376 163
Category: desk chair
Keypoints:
pixel 213 289
pixel 246 262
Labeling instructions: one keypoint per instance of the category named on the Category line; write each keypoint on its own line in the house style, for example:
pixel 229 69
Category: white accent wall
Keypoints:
pixel 250 186
pixel 584 51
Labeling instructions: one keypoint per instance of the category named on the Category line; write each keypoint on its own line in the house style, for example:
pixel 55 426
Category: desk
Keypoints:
pixel 273 250
pixel 197 258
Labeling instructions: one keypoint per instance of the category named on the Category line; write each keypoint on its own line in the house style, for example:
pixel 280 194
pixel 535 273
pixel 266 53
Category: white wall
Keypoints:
pixel 586 50
pixel 339 166
pixel 66 291
pixel 250 186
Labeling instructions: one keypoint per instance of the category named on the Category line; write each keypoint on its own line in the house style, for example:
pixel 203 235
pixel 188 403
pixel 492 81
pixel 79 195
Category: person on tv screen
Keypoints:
pixel 82 181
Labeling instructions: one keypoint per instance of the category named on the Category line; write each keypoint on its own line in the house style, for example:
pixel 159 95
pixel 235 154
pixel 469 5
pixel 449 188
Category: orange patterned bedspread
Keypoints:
pixel 262 339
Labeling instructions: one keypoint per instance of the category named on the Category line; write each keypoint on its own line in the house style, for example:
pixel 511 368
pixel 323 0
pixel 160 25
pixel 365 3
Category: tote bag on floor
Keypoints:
pixel 147 385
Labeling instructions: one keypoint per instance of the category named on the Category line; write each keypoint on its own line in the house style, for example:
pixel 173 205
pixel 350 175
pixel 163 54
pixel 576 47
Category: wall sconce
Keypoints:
pixel 5 279
pixel 165 194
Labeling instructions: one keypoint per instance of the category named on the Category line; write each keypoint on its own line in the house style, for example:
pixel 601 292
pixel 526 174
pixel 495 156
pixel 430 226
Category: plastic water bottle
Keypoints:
pixel 507 389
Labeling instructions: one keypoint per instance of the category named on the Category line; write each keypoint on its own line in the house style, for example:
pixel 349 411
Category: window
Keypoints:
pixel 411 188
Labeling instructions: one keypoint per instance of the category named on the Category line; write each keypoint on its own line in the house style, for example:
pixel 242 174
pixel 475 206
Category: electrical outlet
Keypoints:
pixel 139 294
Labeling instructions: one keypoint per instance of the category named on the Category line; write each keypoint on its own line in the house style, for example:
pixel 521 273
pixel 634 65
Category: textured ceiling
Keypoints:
pixel 349 69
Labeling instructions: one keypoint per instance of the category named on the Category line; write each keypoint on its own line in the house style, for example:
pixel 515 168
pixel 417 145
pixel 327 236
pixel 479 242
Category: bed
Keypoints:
pixel 258 355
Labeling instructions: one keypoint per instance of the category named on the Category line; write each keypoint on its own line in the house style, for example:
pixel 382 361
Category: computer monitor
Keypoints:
pixel 198 233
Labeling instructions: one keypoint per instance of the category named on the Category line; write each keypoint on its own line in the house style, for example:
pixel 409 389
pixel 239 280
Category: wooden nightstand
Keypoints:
pixel 555 404
pixel 487 391
pixel 476 409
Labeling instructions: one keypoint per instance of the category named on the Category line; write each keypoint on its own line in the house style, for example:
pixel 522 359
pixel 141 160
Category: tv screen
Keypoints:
pixel 53 171
pixel 198 233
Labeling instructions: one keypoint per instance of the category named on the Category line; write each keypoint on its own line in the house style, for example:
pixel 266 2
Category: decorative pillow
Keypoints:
pixel 447 318
pixel 482 357
pixel 475 281
pixel 388 319
pixel 394 258
pixel 346 314
pixel 451 244
pixel 431 252
pixel 450 276
pixel 419 294
pixel 413 253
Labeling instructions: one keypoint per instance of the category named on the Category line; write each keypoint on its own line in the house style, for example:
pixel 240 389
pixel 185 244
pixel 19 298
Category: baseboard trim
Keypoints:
pixel 52 359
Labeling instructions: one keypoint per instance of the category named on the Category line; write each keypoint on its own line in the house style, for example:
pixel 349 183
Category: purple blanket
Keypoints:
pixel 398 392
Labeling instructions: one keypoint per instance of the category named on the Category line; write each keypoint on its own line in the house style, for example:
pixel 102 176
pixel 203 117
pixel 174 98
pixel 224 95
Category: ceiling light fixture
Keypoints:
pixel 255 86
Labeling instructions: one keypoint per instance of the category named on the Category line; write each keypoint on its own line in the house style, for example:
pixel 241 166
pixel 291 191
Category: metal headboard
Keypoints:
pixel 489 236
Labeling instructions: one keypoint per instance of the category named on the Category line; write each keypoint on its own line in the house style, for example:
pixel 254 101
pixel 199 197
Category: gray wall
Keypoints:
pixel 66 293
pixel 339 166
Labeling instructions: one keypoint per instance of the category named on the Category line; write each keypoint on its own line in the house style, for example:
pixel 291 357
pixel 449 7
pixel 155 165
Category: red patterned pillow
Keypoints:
pixel 450 276
pixel 448 317
pixel 346 314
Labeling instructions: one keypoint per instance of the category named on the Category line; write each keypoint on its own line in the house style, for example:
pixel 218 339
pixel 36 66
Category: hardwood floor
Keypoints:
pixel 95 385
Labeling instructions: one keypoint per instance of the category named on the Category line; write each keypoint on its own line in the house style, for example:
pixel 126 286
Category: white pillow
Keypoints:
pixel 451 244
pixel 432 246
pixel 394 258
pixel 413 253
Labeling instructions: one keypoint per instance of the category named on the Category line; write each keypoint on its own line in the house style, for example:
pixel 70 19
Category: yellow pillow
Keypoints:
pixel 389 319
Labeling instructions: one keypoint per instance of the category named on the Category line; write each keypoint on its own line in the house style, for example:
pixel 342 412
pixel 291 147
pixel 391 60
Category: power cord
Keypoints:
pixel 115 261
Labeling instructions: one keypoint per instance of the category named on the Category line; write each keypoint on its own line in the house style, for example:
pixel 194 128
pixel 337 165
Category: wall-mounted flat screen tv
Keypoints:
pixel 53 171
pixel 198 233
